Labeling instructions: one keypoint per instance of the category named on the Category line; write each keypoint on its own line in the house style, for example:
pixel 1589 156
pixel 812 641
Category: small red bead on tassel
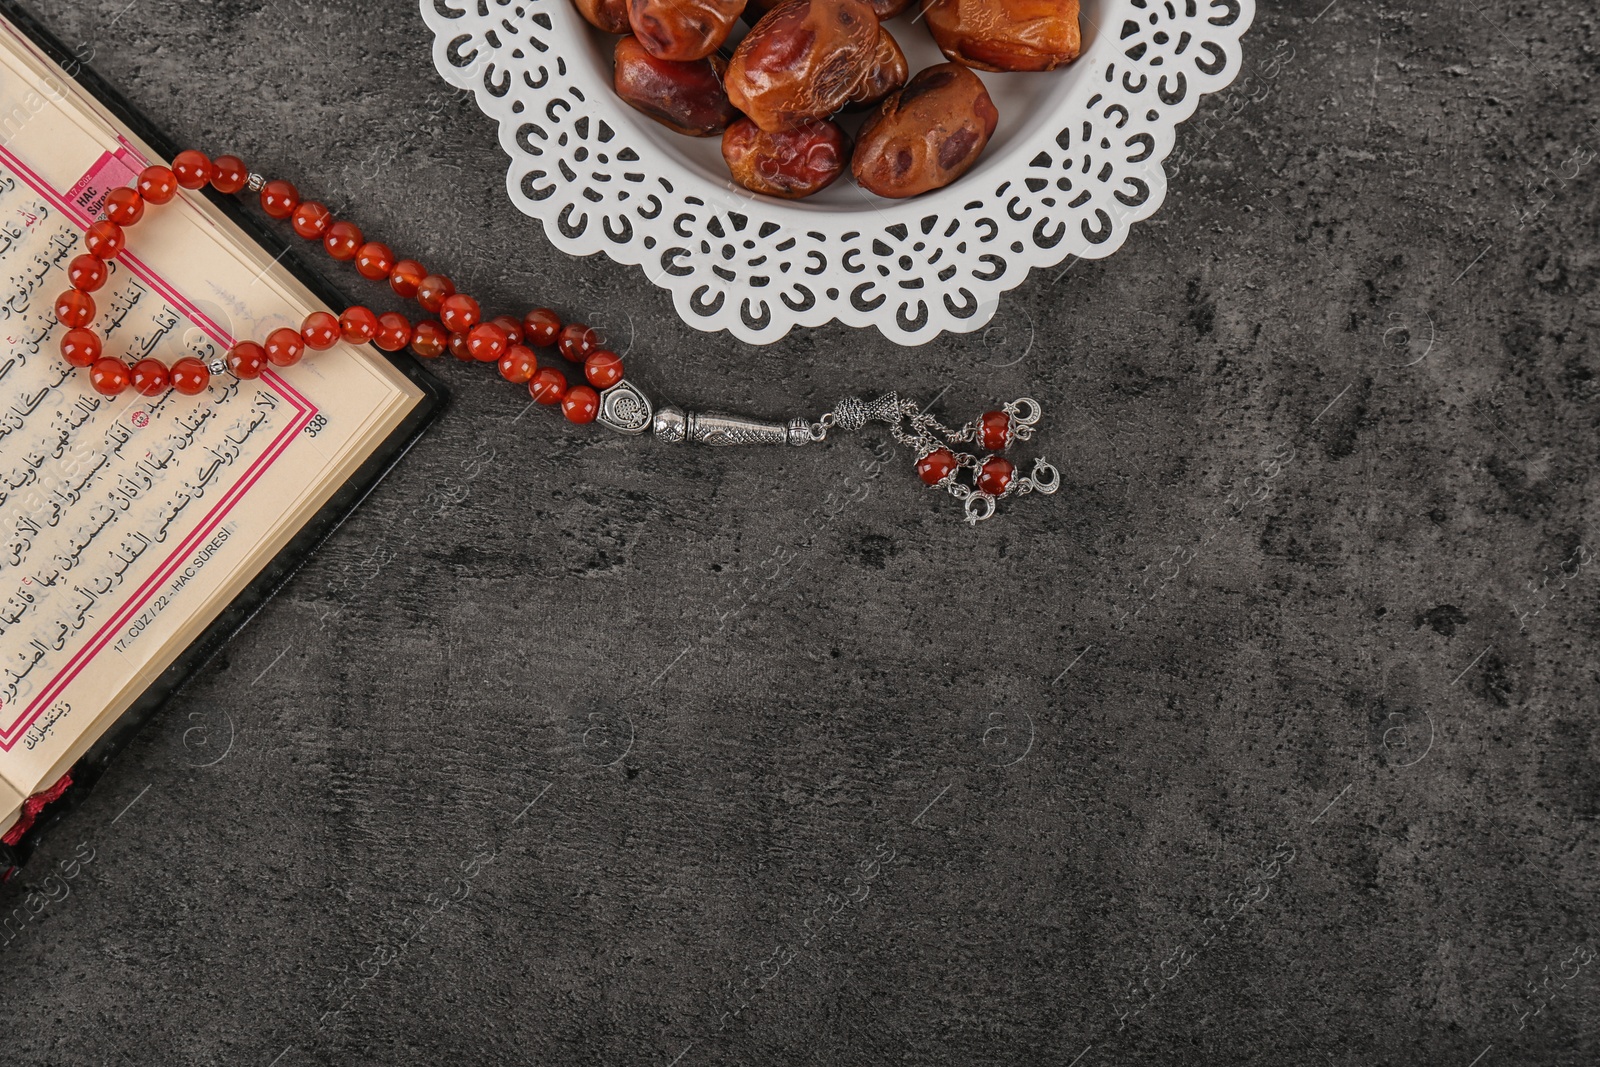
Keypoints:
pixel 995 474
pixel 994 430
pixel 936 466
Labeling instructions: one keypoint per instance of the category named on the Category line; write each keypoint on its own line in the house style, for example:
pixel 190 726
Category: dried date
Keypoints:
pixel 686 97
pixel 887 74
pixel 927 135
pixel 884 9
pixel 790 164
pixel 608 15
pixel 682 30
pixel 1005 35
pixel 802 62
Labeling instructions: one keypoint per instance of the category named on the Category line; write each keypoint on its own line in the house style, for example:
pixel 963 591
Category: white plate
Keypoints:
pixel 1077 159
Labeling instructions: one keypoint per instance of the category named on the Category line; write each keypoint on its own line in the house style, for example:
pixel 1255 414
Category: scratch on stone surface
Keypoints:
pixel 918 820
pixel 1474 263
pixel 1372 110
pixel 1469 666
pixel 1331 803
pixel 271 665
pixel 131 803
pixel 686 650
pixel 1071 665
pixel 1332 402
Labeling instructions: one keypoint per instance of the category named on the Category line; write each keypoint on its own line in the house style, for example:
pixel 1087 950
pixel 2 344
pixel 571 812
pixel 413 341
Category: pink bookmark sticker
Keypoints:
pixel 108 172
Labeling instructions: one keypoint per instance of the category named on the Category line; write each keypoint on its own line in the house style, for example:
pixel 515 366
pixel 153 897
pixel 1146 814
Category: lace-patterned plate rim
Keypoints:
pixel 1080 162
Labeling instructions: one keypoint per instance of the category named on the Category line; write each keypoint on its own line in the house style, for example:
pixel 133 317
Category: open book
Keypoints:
pixel 135 531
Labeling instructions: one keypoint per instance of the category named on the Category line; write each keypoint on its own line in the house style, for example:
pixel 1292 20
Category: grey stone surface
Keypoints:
pixel 1270 740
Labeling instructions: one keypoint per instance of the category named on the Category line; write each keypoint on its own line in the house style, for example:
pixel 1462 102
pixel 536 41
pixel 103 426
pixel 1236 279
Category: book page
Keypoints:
pixel 10 807
pixel 127 524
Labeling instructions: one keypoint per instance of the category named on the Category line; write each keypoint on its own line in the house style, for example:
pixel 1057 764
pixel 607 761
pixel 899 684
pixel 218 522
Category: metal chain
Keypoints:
pixel 923 433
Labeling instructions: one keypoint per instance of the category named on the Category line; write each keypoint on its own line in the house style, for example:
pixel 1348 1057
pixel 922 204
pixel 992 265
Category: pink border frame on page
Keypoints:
pixel 10 735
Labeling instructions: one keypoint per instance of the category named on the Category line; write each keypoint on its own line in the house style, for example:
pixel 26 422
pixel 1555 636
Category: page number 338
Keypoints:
pixel 316 425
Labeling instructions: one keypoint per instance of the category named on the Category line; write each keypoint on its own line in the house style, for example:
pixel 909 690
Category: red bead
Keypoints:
pixel 74 308
pixel 994 476
pixel 247 360
pixel 428 339
pixel 285 347
pixel 105 239
pixel 311 220
pixel 458 347
pixel 109 376
pixel 320 331
pixel 394 331
pixel 994 430
pixel 149 377
pixel 432 290
pixel 518 364
pixel 229 174
pixel 460 313
pixel 936 466
pixel 358 324
pixel 279 198
pixel 486 341
pixel 192 169
pixel 577 342
pixel 405 276
pixel 342 240
pixel 124 206
pixel 374 260
pixel 541 327
pixel 603 369
pixel 157 184
pixel 581 404
pixel 87 272
pixel 190 376
pixel 512 327
pixel 80 347
pixel 547 386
